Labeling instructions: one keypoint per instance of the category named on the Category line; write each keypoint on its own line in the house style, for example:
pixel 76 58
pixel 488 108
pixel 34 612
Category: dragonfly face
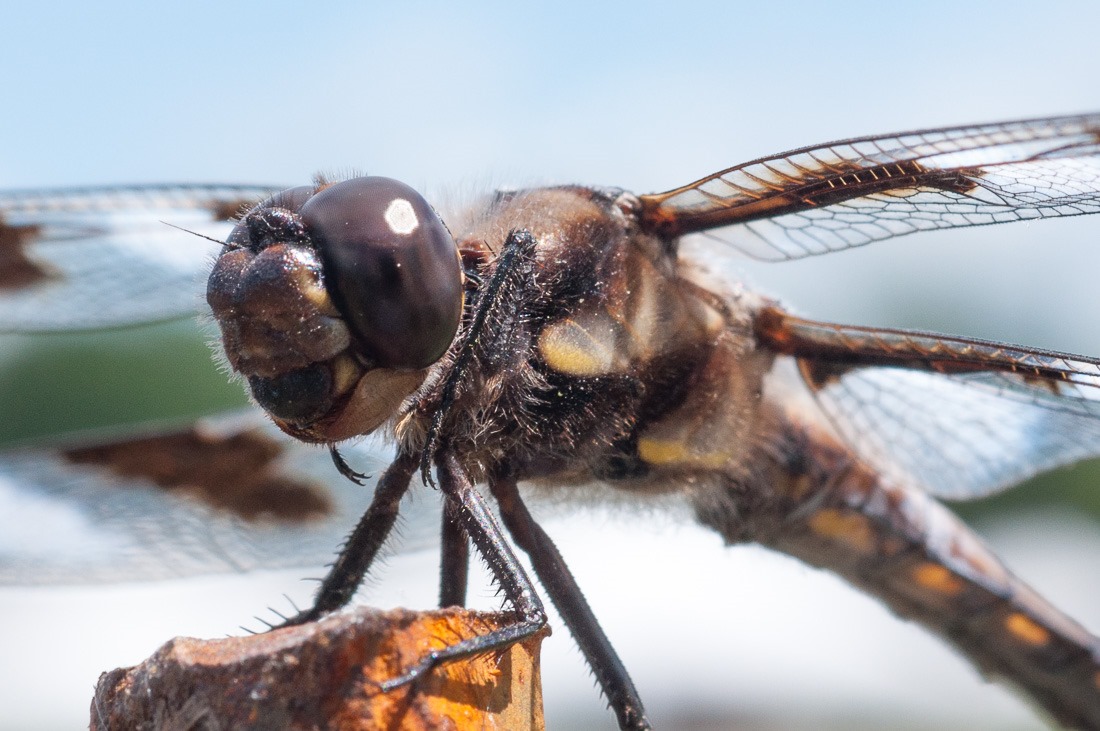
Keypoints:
pixel 562 337
pixel 333 302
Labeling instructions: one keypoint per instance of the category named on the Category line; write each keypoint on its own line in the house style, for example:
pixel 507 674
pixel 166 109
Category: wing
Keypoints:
pixel 219 495
pixel 155 501
pixel 849 193
pixel 104 257
pixel 957 417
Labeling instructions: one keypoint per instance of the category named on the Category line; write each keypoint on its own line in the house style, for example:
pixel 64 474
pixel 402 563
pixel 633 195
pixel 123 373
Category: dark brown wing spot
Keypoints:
pixel 1038 380
pixel 835 183
pixel 230 472
pixel 815 187
pixel 821 373
pixel 16 270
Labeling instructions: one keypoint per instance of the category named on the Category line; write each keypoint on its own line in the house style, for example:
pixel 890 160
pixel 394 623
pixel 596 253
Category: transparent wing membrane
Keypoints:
pixel 956 417
pixel 105 257
pixel 853 192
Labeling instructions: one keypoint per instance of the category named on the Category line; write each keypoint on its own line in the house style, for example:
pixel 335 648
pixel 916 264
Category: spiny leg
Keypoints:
pixel 361 547
pixel 513 272
pixel 566 595
pixel 454 564
pixel 482 528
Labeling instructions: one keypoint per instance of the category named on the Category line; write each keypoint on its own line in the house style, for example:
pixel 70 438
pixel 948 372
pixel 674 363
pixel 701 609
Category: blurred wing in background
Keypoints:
pixel 221 495
pixel 164 500
pixel 82 259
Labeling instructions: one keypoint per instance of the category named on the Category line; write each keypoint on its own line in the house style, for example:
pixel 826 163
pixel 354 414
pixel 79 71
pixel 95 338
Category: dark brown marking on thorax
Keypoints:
pixel 236 473
pixel 16 270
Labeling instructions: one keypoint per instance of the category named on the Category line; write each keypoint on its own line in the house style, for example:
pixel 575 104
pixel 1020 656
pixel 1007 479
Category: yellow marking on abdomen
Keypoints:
pixel 845 527
pixel 665 453
pixel 1025 629
pixel 938 578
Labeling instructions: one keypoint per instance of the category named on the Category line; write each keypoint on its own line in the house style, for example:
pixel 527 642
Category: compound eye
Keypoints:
pixel 292 199
pixel 391 268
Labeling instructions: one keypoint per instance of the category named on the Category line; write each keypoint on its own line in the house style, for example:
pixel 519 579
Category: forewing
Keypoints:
pixel 105 257
pixel 222 495
pixel 959 418
pixel 849 193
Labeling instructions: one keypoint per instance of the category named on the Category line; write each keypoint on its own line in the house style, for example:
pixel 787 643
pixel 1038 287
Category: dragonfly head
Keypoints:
pixel 334 300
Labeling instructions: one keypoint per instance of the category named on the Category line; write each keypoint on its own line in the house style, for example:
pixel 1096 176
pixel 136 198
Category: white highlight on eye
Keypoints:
pixel 400 217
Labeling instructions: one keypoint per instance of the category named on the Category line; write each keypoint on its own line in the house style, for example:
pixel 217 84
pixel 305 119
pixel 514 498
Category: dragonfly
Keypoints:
pixel 561 336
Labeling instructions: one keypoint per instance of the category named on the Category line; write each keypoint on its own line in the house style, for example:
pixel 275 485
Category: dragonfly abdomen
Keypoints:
pixel 817 502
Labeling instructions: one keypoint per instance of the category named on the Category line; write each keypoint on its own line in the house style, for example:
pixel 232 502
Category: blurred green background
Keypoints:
pixel 55 384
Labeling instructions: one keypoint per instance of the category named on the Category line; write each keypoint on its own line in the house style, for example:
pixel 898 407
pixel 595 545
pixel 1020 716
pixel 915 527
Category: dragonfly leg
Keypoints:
pixel 361 547
pixel 454 564
pixel 513 275
pixel 482 528
pixel 571 604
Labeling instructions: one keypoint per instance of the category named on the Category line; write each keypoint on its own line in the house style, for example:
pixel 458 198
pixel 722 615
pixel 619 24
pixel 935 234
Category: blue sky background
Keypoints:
pixel 647 96
pixel 644 96
pixel 453 97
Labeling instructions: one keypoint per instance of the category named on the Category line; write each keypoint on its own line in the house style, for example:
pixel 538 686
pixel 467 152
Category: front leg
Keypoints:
pixel 501 299
pixel 361 547
pixel 478 522
pixel 566 595
pixel 454 564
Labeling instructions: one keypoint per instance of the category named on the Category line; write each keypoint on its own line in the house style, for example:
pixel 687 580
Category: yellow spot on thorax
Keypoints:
pixel 1026 629
pixel 575 350
pixel 797 487
pixel 660 452
pixel 670 453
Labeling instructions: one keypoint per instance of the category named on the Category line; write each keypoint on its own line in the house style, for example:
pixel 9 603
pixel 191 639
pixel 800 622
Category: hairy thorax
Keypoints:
pixel 609 363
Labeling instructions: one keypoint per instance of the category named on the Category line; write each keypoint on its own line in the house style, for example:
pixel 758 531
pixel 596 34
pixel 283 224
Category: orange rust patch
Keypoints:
pixel 845 527
pixel 938 578
pixel 1025 629
pixel 337 663
pixel 1096 679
